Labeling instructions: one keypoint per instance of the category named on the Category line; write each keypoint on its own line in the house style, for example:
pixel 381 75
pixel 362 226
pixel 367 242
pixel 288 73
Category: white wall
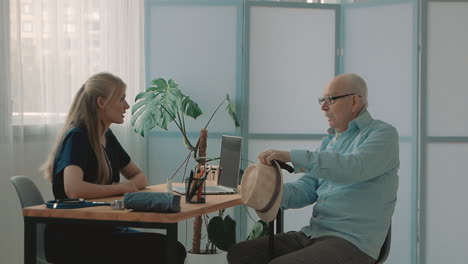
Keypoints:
pixel 443 178
pixel 287 52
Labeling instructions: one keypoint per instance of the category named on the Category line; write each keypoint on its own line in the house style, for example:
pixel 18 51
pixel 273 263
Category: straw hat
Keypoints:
pixel 262 189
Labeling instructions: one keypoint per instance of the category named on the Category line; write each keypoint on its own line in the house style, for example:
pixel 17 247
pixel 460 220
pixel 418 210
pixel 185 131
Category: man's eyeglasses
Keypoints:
pixel 331 99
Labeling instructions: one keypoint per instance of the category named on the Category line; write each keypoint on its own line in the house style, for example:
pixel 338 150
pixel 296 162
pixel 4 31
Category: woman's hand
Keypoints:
pixel 268 156
pixel 133 174
pixel 128 187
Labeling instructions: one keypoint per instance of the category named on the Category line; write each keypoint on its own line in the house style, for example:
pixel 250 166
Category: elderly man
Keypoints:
pixel 352 179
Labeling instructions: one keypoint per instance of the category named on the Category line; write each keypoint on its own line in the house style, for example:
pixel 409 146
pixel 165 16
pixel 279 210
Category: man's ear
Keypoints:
pixel 100 102
pixel 356 104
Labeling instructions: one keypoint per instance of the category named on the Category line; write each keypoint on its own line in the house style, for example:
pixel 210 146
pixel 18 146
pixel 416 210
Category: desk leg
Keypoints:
pixel 171 246
pixel 29 242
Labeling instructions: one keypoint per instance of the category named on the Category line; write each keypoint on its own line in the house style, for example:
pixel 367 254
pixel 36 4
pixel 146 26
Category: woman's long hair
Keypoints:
pixel 84 113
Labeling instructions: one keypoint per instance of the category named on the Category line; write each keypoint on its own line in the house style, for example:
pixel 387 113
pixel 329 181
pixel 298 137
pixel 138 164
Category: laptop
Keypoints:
pixel 229 168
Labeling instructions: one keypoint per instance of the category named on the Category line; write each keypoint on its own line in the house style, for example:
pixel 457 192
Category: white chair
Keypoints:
pixel 385 249
pixel 29 195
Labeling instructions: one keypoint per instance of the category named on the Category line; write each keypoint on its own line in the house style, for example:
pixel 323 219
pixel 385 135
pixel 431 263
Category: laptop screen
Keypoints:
pixel 230 161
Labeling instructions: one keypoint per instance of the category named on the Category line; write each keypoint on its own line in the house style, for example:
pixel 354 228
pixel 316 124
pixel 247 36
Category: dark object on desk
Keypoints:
pixel 194 189
pixel 152 202
pixel 72 204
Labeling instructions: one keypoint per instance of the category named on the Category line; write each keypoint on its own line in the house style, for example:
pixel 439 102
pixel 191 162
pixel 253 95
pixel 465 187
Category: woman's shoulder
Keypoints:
pixel 74 143
pixel 76 134
pixel 77 130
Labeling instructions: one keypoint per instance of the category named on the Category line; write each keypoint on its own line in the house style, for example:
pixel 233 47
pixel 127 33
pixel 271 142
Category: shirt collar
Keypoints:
pixel 364 118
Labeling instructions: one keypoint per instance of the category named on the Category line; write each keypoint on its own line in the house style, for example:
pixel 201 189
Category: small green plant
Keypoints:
pixel 259 229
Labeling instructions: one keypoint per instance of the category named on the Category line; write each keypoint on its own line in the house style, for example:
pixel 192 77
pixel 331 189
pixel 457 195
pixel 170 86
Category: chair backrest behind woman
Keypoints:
pixel 29 195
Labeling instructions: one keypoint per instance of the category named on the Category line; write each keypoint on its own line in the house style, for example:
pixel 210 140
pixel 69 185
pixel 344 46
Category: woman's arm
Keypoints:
pixel 132 173
pixel 75 187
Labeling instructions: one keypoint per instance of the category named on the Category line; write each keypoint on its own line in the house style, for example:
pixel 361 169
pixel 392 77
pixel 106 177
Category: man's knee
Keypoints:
pixel 242 252
pixel 234 253
pixel 276 261
pixel 292 258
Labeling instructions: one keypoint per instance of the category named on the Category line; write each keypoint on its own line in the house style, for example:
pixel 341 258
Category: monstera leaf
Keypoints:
pixel 161 104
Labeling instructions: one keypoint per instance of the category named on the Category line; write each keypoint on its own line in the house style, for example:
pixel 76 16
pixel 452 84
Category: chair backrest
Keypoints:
pixel 30 195
pixel 27 191
pixel 385 249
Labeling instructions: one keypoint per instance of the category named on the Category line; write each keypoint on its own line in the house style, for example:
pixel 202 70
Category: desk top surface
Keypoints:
pixel 213 203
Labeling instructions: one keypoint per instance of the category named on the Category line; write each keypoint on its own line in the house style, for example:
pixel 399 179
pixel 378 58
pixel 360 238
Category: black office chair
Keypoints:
pixel 385 249
pixel 29 195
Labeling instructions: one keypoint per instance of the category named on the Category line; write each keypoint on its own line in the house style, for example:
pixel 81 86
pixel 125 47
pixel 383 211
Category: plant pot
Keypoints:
pixel 218 258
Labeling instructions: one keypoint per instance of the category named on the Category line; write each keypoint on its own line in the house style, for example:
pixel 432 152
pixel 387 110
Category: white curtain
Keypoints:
pixel 4 70
pixel 48 49
pixel 57 44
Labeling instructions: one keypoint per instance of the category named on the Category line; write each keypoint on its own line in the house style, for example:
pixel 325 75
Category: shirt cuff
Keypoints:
pixel 303 160
pixel 285 198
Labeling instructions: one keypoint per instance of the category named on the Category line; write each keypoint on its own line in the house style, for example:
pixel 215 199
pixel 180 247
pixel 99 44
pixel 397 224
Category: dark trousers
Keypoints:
pixel 296 247
pixel 103 244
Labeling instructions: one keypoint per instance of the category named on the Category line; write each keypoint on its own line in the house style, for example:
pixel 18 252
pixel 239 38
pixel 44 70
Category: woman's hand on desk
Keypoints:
pixel 127 187
pixel 132 173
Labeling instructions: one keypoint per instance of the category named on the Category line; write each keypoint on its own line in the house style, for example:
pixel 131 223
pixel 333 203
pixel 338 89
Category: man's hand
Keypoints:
pixel 272 154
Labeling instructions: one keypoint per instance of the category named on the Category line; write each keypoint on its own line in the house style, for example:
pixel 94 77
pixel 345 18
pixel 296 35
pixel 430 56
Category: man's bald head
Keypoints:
pixel 351 83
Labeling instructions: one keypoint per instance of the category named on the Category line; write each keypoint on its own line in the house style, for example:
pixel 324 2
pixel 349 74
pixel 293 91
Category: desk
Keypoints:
pixel 104 214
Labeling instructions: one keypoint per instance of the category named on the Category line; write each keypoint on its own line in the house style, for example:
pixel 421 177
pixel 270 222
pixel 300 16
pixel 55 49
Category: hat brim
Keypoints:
pixel 270 215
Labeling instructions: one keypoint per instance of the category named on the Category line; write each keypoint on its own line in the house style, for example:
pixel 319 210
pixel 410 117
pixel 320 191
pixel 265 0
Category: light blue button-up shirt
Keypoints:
pixel 353 182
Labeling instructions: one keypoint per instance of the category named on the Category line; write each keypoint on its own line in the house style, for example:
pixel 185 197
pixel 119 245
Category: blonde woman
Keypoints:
pixel 86 162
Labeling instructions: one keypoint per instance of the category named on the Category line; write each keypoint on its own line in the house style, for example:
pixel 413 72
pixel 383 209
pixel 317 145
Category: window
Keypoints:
pixel 47 38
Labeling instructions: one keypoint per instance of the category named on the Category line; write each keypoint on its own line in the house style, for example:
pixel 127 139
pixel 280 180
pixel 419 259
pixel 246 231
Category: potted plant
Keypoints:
pixel 221 232
pixel 222 235
pixel 162 103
